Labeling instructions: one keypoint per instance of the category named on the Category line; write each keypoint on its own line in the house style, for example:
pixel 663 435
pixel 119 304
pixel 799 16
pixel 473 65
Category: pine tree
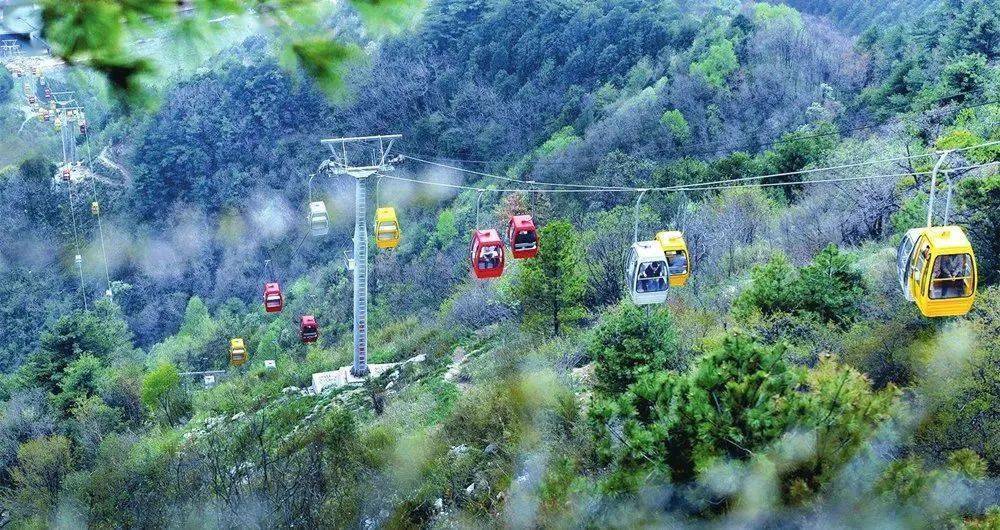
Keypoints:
pixel 551 286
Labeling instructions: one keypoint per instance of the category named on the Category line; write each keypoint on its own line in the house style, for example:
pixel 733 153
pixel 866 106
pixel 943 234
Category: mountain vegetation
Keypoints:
pixel 789 383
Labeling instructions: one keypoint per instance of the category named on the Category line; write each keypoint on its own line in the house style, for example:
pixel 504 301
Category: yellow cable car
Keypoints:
pixel 386 228
pixel 237 352
pixel 678 260
pixel 937 270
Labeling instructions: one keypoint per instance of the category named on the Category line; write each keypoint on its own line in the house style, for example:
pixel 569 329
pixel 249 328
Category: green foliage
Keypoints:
pixel 735 404
pixel 912 214
pixel 770 290
pixel 980 198
pixel 101 333
pixel 798 150
pixel 97 34
pixel 679 128
pixel 445 230
pixel 6 85
pixel 963 139
pixel 80 381
pixel 559 141
pixel 830 288
pixel 323 59
pixel 765 14
pixel 962 399
pixel 163 395
pixel 717 64
pixel 551 287
pixel 974 28
pixel 42 464
pixel 630 343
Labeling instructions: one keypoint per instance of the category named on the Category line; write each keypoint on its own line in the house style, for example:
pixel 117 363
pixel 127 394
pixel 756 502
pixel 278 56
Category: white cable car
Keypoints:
pixel 319 221
pixel 646 273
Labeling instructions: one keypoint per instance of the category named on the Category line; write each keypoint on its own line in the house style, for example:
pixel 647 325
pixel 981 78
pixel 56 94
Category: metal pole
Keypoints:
pixel 930 204
pixel 635 228
pixel 340 163
pixel 947 203
pixel 360 368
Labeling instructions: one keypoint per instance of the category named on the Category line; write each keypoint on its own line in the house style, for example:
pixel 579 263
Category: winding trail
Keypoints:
pixel 111 164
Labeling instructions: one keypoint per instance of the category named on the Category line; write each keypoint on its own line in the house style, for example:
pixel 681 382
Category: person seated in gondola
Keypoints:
pixel 949 276
pixel 488 258
pixel 677 263
pixel 492 257
pixel 647 277
pixel 525 240
pixel 658 282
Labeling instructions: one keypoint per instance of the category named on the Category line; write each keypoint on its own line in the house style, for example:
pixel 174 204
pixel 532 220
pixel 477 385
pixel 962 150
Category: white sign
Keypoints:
pixel 209 380
pixel 323 380
pixel 269 364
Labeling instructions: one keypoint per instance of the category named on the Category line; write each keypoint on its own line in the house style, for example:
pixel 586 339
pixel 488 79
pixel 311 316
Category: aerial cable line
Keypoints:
pixel 696 186
pixel 509 179
pixel 76 242
pixel 682 188
pixel 831 180
pixel 846 166
pixel 97 211
pixel 747 143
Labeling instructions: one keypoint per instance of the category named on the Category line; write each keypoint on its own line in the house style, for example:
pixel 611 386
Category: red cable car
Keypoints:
pixel 522 236
pixel 308 330
pixel 487 254
pixel 273 300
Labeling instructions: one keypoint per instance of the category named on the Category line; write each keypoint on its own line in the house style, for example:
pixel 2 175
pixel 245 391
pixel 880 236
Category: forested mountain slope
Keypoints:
pixel 789 383
pixel 858 16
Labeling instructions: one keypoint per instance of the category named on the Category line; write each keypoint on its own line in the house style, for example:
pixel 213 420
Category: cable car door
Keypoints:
pixel 904 259
pixel 920 269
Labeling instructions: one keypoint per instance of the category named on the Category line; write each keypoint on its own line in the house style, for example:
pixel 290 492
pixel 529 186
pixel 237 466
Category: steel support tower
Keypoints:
pixel 360 157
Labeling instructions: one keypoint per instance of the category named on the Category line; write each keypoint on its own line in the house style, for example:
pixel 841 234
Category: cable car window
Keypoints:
pixel 651 277
pixel 918 267
pixel 525 239
pixel 952 277
pixel 677 262
pixel 391 227
pixel 904 253
pixel 489 257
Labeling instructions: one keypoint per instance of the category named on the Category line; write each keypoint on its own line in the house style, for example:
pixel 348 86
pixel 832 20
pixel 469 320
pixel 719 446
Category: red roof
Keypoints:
pixel 523 222
pixel 488 237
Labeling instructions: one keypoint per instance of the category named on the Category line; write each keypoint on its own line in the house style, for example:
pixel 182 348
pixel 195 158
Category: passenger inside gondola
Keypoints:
pixel 651 278
pixel 489 258
pixel 525 240
pixel 677 262
pixel 952 276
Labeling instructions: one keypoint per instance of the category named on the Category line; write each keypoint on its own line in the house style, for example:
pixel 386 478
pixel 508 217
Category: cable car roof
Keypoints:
pixel 946 239
pixel 672 239
pixel 488 237
pixel 648 251
pixel 522 222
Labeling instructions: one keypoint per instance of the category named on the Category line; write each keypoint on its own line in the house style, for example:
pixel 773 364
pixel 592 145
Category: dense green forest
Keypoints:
pixel 788 384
